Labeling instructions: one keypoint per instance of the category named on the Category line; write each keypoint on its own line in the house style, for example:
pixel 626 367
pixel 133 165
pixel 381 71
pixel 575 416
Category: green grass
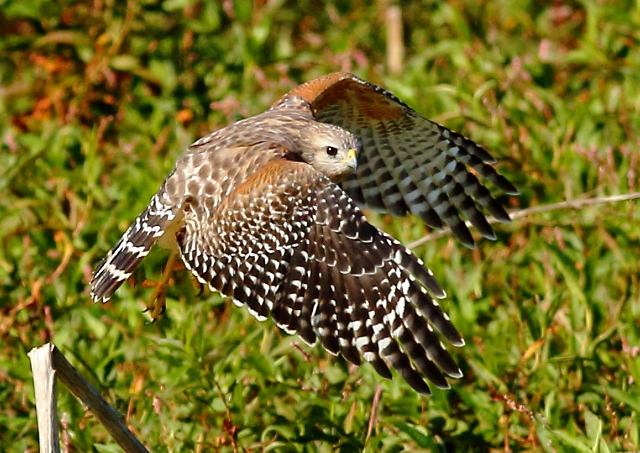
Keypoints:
pixel 100 98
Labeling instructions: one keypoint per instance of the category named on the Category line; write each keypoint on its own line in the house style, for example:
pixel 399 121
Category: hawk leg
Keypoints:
pixel 158 301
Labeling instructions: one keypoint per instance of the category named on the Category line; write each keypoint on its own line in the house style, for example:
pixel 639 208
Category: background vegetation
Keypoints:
pixel 99 99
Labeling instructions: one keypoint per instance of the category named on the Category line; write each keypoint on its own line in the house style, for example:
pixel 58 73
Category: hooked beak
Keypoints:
pixel 352 159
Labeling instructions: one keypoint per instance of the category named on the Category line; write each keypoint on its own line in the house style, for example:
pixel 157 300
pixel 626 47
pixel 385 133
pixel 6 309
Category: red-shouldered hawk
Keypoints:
pixel 266 211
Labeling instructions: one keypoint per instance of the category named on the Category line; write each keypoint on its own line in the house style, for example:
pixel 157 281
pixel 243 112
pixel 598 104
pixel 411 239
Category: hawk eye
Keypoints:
pixel 332 150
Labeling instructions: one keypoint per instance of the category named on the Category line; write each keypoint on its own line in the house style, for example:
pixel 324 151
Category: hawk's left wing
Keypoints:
pixel 409 163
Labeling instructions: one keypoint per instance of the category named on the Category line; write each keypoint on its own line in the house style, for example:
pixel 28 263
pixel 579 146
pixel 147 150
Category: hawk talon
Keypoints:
pixel 157 302
pixel 201 290
pixel 158 299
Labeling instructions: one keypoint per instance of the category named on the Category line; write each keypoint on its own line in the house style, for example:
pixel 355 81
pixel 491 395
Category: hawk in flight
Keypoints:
pixel 267 212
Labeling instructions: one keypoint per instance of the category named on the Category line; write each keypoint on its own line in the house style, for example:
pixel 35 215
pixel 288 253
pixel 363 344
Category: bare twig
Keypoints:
pixel 569 204
pixel 395 44
pixel 44 381
pixel 374 409
pixel 227 424
pixel 111 419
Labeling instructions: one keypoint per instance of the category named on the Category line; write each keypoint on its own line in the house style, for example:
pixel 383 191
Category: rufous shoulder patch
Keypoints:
pixel 313 88
pixel 370 102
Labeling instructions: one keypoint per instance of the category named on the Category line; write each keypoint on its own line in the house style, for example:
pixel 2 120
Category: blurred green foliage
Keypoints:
pixel 99 99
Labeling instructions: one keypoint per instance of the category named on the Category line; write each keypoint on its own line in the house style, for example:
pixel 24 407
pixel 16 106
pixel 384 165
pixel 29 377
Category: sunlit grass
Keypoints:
pixel 98 104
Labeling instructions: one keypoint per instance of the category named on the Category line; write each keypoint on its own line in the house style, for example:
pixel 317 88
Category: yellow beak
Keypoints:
pixel 352 158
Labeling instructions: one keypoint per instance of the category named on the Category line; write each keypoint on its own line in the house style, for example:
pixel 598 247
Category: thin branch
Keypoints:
pixel 395 43
pixel 374 410
pixel 110 418
pixel 569 204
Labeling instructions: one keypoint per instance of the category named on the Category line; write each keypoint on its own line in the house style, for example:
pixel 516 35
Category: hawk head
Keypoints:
pixel 329 149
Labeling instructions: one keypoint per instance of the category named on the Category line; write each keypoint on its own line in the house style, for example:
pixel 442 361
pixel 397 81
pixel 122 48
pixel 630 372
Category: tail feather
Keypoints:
pixel 131 249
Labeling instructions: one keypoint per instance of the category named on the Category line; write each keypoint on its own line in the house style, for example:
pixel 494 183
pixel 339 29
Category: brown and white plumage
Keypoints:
pixel 266 211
